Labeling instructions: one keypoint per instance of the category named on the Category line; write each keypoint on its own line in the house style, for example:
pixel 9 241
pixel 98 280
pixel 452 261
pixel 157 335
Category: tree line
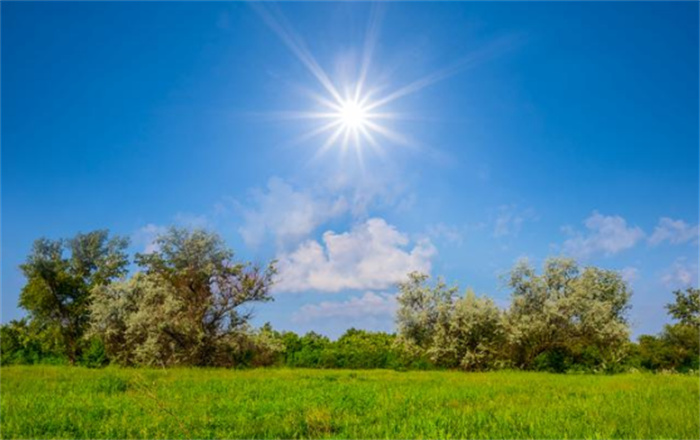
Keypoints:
pixel 189 303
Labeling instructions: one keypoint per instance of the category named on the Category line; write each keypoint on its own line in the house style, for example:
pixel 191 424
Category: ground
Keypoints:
pixel 72 402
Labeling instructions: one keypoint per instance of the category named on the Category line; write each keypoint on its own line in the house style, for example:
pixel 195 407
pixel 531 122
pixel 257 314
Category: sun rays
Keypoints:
pixel 355 115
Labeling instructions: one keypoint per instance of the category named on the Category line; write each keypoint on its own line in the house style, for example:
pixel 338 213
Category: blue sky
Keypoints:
pixel 530 130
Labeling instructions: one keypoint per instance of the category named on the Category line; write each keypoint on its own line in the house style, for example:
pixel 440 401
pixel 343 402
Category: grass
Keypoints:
pixel 64 402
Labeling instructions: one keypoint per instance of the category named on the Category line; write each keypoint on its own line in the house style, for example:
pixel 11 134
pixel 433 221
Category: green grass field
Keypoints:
pixel 62 402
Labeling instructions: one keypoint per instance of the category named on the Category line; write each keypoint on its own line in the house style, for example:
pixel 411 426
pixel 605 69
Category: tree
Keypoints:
pixel 306 351
pixel 677 347
pixel 128 316
pixel 186 308
pixel 60 277
pixel 25 342
pixel 686 307
pixel 567 314
pixel 421 308
pixel 472 337
pixel 364 349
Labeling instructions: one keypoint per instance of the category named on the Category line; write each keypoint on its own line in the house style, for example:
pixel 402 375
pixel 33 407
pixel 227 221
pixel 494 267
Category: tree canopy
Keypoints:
pixel 60 277
pixel 190 301
pixel 185 307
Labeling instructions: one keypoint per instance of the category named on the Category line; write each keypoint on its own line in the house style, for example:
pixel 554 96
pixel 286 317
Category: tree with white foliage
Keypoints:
pixel 421 310
pixel 188 307
pixel 473 336
pixel 567 312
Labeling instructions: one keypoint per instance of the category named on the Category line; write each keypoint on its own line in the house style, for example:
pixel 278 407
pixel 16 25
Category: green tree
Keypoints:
pixel 310 351
pixel 26 342
pixel 364 349
pixel 267 345
pixel 188 307
pixel 686 308
pixel 566 315
pixel 60 277
pixel 677 347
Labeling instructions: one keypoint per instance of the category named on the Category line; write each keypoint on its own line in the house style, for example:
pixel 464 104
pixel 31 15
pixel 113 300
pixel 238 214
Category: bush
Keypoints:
pixel 94 354
pixel 676 348
pixel 24 342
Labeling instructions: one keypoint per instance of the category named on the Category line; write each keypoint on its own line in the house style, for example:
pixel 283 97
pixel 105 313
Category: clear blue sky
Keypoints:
pixel 530 130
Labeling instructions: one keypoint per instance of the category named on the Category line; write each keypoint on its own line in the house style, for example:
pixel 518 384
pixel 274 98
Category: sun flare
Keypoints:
pixel 353 115
pixel 357 114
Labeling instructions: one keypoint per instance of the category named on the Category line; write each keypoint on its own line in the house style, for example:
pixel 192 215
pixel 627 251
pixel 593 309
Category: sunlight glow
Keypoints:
pixel 355 117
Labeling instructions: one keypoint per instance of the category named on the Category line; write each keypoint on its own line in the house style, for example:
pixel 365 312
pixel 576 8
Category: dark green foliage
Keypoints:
pixel 60 277
pixel 309 352
pixel 355 349
pixel 24 342
pixel 556 360
pixel 676 348
pixel 94 354
pixel 362 349
pixel 686 308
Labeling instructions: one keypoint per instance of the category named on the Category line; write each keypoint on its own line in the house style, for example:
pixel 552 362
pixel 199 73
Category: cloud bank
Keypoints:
pixel 373 255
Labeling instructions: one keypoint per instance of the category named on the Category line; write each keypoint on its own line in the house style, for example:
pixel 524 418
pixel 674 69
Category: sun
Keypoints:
pixel 352 115
pixel 348 121
pixel 365 115
pixel 355 111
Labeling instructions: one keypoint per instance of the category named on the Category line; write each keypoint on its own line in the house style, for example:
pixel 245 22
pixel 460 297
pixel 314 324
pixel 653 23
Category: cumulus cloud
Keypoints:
pixel 286 214
pixel 681 274
pixel 373 255
pixel 510 219
pixel 370 304
pixel 674 231
pixel 605 235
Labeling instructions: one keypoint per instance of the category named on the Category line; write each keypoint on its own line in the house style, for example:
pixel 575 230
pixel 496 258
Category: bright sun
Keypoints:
pixel 352 115
pixel 356 114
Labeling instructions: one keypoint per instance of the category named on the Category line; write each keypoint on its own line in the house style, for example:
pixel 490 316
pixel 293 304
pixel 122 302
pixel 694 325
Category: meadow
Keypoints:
pixel 73 402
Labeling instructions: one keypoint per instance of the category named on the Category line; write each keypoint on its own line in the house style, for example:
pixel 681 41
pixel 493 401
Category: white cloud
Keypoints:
pixel 674 231
pixel 606 235
pixel 368 190
pixel 145 237
pixel 629 274
pixel 286 214
pixel 370 304
pixel 450 234
pixel 681 274
pixel 372 255
pixel 509 220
